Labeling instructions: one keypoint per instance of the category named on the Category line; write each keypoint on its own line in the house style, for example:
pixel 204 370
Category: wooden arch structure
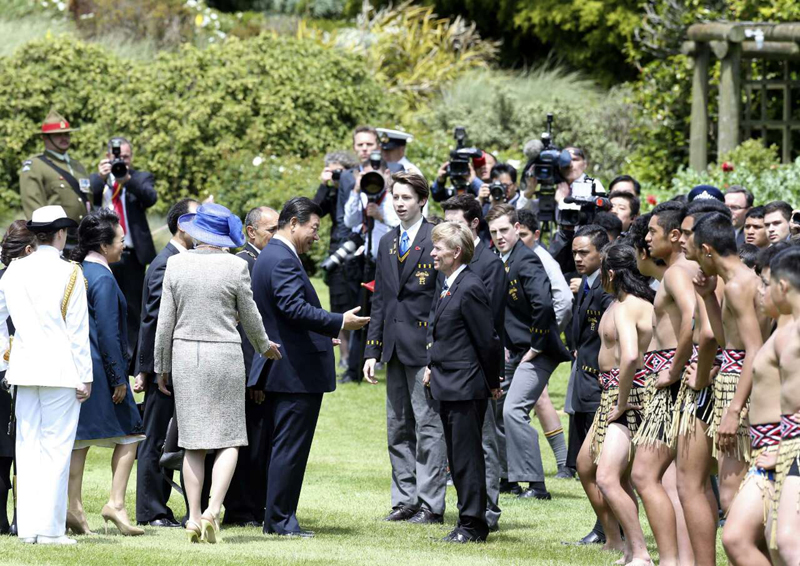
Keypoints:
pixel 731 43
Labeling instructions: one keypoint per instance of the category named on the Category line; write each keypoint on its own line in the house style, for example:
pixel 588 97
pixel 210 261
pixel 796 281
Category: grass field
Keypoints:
pixel 345 496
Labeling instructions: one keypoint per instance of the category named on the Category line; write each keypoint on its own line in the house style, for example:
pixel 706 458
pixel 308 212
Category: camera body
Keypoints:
pixel 118 166
pixel 547 172
pixel 458 170
pixel 498 191
pixel 336 175
pixel 345 252
pixel 581 207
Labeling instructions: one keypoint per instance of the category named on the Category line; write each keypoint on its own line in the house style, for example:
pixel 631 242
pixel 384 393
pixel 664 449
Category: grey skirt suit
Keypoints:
pixel 205 294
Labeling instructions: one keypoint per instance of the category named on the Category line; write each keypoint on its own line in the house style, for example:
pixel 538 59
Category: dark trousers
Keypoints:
pixel 129 274
pixel 291 422
pixel 579 425
pixel 463 424
pixel 245 499
pixel 152 490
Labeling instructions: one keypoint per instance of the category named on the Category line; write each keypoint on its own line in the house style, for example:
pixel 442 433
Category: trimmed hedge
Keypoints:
pixel 190 111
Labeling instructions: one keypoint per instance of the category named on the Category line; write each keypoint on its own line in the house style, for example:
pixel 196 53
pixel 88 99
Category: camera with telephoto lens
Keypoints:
pixel 118 166
pixel 345 252
pixel 580 208
pixel 547 171
pixel 498 191
pixel 458 169
pixel 372 183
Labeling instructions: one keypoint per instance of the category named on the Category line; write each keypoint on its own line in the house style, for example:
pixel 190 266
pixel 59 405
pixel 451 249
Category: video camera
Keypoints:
pixel 546 169
pixel 345 252
pixel 372 183
pixel 582 205
pixel 118 166
pixel 458 170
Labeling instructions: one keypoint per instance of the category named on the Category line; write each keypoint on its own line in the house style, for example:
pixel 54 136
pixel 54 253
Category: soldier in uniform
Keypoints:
pixel 53 178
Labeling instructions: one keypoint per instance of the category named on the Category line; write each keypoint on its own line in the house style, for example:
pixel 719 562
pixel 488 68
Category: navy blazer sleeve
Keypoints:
pixel 142 186
pixel 287 283
pixel 537 289
pixel 105 302
pixel 475 310
pixel 151 303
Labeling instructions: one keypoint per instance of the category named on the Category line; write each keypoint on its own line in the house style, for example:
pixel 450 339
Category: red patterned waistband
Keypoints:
pixel 763 435
pixel 609 379
pixel 657 360
pixel 790 427
pixel 732 361
pixel 719 358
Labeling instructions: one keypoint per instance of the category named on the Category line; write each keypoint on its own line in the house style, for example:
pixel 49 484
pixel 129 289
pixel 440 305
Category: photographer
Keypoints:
pixel 624 206
pixel 569 174
pixel 479 176
pixel 502 189
pixel 129 193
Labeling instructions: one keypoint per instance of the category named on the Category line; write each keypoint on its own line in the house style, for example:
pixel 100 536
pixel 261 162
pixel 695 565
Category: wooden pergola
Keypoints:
pixel 731 43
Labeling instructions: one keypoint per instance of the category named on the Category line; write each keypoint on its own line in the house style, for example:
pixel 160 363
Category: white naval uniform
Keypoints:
pixel 49 359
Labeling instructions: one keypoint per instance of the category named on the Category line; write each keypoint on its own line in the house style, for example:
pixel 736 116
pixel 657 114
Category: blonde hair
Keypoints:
pixel 455 235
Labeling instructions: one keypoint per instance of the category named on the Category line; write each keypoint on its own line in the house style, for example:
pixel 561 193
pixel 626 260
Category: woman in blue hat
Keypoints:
pixel 206 293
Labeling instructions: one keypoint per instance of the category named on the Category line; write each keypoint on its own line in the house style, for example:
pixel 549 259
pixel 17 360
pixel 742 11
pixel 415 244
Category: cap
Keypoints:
pixel 392 139
pixel 705 192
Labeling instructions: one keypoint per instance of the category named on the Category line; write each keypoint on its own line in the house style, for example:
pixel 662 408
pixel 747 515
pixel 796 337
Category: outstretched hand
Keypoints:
pixel 354 322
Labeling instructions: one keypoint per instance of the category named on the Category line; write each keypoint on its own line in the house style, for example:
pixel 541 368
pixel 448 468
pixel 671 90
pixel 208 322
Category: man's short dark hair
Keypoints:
pixel 715 229
pixel 366 129
pixel 637 232
pixel 467 204
pixel 633 201
pixel 502 209
pixel 637 187
pixel 766 255
pixel 786 265
pixel 528 219
pixel 414 180
pixel 302 208
pixel 176 211
pixel 748 253
pixel 755 212
pixel 501 168
pixel 597 235
pixel 779 206
pixel 122 141
pixel 610 223
pixel 699 207
pixel 748 196
pixel 670 214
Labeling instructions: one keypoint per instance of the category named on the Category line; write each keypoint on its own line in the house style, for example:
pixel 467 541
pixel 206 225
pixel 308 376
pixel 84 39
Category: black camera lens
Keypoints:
pixel 498 191
pixel 119 169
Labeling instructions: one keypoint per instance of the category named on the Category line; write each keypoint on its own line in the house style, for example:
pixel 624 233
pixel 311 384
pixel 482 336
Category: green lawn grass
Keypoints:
pixel 345 496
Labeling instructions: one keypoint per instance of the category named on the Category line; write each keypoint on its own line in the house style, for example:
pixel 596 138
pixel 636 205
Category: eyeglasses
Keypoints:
pixel 736 208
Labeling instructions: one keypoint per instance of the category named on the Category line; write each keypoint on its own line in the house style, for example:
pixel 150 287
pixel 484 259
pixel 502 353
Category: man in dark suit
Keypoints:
pixel 739 201
pixel 152 489
pixel 405 283
pixel 584 391
pixel 465 361
pixel 534 350
pixel 129 197
pixel 244 502
pixel 294 318
pixel 489 268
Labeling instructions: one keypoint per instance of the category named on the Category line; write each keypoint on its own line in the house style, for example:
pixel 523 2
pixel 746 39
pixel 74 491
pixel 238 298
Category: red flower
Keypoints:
pixel 417 248
pixel 651 200
pixel 727 167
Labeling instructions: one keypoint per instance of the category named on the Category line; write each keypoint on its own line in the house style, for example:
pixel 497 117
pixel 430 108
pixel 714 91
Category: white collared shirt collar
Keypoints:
pixel 452 279
pixel 48 249
pixel 477 241
pixel 288 243
pixel 254 247
pixel 61 156
pixel 591 278
pixel 178 246
pixel 412 230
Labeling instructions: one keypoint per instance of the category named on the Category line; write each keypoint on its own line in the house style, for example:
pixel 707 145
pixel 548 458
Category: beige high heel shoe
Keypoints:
pixel 120 521
pixel 78 525
pixel 209 525
pixel 193 532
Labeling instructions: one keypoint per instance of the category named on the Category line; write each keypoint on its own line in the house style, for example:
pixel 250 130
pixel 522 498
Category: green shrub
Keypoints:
pixel 189 111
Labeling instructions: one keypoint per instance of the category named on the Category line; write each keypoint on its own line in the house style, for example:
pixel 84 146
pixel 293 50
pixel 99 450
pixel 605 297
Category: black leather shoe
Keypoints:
pixel 300 534
pixel 565 473
pixel 426 517
pixel 401 513
pixel 494 528
pixel 532 493
pixel 510 487
pixel 349 377
pixel 592 538
pixel 459 537
pixel 165 522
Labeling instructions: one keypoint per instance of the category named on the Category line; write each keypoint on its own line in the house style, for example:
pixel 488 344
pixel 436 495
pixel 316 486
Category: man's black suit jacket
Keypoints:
pixel 530 318
pixel 151 303
pixel 140 194
pixel 401 303
pixel 249 254
pixel 465 354
pixel 586 314
pixel 294 318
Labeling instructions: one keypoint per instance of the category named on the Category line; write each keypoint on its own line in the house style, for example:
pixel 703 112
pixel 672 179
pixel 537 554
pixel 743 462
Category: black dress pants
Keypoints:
pixel 245 499
pixel 152 489
pixel 129 274
pixel 291 422
pixel 463 426
pixel 579 425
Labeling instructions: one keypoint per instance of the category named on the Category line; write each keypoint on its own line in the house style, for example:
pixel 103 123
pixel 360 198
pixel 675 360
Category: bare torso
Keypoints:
pixel 789 356
pixel 765 404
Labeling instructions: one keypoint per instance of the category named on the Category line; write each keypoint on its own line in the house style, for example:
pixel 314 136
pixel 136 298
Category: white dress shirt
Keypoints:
pixel 288 243
pixel 354 217
pixel 177 245
pixel 562 294
pixel 448 282
pixel 47 350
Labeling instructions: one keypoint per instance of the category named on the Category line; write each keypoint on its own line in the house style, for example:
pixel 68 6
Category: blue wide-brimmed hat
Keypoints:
pixel 213 224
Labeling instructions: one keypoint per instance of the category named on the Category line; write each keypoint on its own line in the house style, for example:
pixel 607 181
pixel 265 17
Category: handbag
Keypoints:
pixel 171 458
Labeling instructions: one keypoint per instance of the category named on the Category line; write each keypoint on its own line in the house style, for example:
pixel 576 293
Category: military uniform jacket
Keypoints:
pixel 586 314
pixel 465 354
pixel 401 304
pixel 41 185
pixel 530 318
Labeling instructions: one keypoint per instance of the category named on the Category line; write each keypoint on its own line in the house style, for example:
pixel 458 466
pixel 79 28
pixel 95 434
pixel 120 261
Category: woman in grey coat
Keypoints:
pixel 206 293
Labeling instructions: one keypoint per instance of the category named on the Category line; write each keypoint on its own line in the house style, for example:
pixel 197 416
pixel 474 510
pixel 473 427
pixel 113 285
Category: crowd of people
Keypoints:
pixel 678 326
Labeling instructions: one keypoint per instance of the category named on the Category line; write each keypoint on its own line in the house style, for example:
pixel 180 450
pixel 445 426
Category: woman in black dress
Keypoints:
pixel 17 242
